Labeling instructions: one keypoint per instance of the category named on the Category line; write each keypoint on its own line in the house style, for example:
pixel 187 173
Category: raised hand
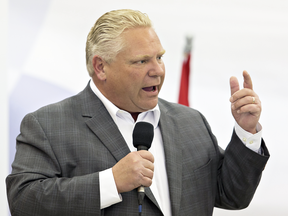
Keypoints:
pixel 245 103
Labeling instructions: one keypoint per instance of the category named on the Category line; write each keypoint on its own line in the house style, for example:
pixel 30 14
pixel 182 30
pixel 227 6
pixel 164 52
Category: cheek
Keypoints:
pixel 163 75
pixel 131 85
pixel 136 79
pixel 162 78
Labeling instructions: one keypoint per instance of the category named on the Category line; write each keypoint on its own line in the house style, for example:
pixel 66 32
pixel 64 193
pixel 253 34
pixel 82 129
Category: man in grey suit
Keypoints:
pixel 76 157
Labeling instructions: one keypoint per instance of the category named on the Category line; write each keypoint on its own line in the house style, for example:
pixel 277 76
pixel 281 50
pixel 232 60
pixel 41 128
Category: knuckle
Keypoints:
pixel 150 182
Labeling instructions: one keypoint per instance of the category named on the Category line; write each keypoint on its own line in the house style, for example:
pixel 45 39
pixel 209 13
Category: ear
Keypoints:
pixel 98 65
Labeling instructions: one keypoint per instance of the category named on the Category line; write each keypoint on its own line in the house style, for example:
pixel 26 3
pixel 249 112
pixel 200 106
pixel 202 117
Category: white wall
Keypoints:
pixel 3 105
pixel 229 36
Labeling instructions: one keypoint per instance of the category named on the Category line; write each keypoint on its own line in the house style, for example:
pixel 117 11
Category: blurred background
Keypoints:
pixel 42 60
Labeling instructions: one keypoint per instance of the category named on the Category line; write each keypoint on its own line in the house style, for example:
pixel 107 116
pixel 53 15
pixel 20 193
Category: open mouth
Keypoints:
pixel 150 89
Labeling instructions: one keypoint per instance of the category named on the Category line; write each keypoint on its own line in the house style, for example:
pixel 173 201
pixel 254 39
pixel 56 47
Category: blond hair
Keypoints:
pixel 104 38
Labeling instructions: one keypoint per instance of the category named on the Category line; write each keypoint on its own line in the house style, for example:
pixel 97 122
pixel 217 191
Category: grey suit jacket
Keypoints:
pixel 63 146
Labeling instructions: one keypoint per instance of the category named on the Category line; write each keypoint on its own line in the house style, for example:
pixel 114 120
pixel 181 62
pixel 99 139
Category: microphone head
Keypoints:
pixel 143 134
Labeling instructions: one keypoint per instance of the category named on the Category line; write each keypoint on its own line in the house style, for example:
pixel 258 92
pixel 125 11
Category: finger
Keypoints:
pixel 147 173
pixel 245 101
pixel 250 108
pixel 242 94
pixel 148 165
pixel 247 80
pixel 234 86
pixel 146 155
pixel 146 182
pixel 147 176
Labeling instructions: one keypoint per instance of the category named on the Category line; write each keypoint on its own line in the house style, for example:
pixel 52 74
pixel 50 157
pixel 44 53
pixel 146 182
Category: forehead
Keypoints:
pixel 141 40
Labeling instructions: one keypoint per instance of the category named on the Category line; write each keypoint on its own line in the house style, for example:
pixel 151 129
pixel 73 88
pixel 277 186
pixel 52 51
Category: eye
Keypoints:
pixel 140 62
pixel 159 58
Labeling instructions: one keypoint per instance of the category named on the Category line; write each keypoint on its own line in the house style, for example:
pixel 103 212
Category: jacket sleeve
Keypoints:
pixel 239 172
pixel 36 185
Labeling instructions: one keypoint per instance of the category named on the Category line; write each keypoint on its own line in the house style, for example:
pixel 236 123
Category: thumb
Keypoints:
pixel 234 85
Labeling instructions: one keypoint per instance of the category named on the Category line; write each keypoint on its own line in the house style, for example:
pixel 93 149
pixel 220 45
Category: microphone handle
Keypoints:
pixel 142 147
pixel 141 194
pixel 141 189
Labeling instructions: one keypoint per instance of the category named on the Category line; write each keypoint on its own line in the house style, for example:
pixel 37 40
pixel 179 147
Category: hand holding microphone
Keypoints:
pixel 136 169
pixel 142 139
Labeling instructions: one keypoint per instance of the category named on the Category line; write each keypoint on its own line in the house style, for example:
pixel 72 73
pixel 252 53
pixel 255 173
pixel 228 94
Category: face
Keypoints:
pixel 134 78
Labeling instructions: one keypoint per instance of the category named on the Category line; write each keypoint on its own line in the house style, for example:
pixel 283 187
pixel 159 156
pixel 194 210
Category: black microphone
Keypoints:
pixel 143 134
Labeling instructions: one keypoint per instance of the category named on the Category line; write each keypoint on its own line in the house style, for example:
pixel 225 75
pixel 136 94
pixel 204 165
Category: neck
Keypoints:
pixel 135 115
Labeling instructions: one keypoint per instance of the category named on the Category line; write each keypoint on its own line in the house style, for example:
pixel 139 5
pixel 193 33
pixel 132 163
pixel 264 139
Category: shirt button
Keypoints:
pixel 251 142
pixel 244 139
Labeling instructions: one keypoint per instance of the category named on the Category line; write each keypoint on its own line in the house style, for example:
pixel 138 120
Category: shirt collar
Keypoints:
pixel 152 116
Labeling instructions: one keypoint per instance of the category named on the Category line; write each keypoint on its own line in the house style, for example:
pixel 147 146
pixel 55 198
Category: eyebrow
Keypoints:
pixel 148 56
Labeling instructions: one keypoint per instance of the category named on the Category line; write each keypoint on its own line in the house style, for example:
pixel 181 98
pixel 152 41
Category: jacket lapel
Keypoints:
pixel 102 125
pixel 173 157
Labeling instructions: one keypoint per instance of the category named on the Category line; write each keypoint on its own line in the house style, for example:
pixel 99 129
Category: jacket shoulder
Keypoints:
pixel 175 108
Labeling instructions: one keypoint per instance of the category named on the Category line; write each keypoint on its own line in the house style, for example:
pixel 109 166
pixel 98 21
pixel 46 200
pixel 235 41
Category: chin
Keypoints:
pixel 151 105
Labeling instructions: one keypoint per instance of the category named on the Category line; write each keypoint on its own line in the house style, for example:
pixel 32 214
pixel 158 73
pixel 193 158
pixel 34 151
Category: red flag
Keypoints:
pixel 184 83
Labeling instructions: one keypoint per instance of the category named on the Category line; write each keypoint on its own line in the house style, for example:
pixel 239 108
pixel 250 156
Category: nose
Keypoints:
pixel 157 68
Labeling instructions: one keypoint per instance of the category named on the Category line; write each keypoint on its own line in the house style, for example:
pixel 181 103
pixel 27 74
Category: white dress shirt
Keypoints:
pixel 108 191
